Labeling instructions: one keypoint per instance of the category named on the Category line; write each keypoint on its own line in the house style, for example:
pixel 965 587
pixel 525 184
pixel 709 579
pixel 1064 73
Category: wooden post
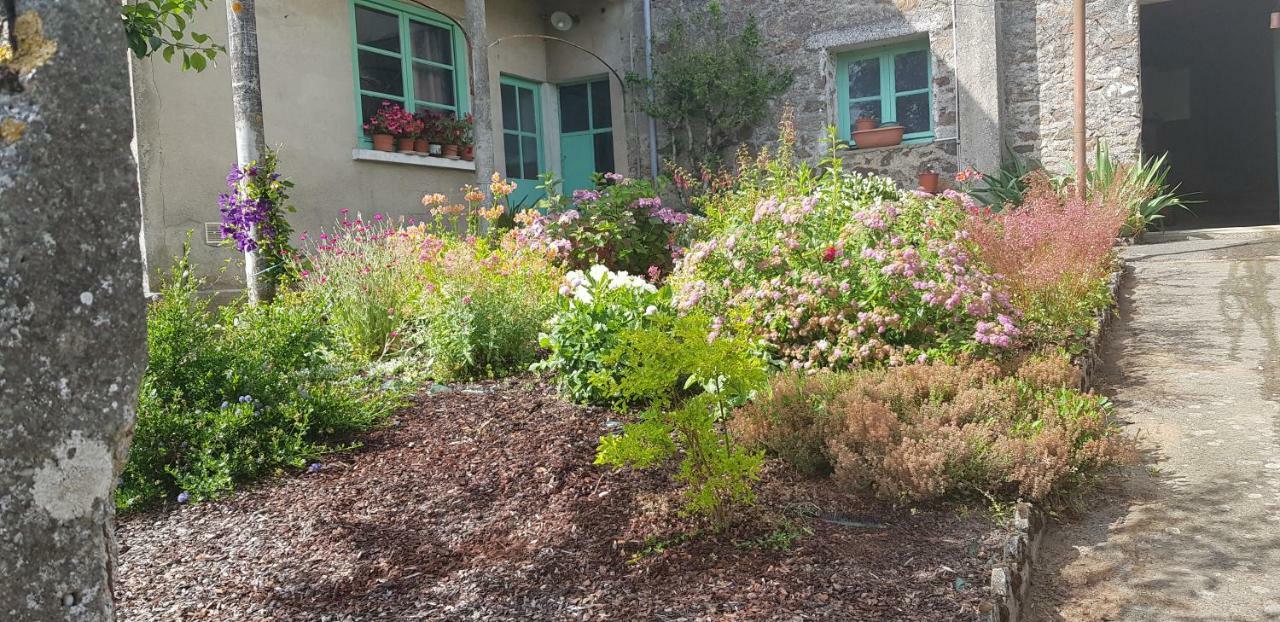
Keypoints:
pixel 478 37
pixel 1081 136
pixel 246 98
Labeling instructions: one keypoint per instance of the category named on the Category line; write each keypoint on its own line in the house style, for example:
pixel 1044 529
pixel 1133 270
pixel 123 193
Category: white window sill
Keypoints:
pixel 370 155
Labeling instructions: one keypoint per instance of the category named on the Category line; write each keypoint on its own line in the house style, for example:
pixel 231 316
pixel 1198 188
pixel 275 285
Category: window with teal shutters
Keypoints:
pixel 408 55
pixel 891 83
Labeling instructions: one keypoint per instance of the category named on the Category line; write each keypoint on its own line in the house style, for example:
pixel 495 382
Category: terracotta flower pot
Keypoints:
pixel 469 153
pixel 405 145
pixel 929 182
pixel 384 142
pixel 435 149
pixel 451 152
pixel 884 136
pixel 421 146
pixel 865 123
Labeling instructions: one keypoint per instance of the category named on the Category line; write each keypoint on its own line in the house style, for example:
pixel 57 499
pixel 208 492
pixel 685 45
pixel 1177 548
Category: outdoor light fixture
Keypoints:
pixel 561 21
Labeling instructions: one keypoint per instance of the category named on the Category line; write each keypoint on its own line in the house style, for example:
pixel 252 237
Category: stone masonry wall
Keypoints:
pixel 807 36
pixel 1037 62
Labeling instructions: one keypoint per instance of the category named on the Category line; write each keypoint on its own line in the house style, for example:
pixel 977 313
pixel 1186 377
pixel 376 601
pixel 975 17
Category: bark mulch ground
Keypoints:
pixel 483 504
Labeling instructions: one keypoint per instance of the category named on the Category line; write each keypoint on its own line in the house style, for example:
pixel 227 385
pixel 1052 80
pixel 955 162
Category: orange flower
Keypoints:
pixel 501 188
pixel 493 213
pixel 434 199
pixel 527 217
pixel 472 194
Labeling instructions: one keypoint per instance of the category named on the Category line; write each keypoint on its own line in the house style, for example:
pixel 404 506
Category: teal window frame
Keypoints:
pixel 888 95
pixel 536 87
pixel 407 13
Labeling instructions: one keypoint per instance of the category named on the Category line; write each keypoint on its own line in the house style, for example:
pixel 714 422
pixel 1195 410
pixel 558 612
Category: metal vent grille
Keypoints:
pixel 213 233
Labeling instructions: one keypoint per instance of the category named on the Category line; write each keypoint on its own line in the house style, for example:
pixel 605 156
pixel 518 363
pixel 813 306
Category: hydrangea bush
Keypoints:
pixel 596 307
pixel 832 269
pixel 621 224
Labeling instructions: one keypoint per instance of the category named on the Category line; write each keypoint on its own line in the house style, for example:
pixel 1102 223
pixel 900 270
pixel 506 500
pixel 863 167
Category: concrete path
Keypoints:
pixel 1193 364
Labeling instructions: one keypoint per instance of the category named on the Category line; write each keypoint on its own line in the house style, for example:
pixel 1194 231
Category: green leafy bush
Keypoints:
pixel 690 383
pixel 230 396
pixel 596 308
pixel 482 310
pixel 832 269
pixel 1141 188
pixel 925 432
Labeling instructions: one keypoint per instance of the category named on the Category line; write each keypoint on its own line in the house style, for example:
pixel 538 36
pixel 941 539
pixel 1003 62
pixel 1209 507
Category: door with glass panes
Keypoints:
pixel 586 133
pixel 522 139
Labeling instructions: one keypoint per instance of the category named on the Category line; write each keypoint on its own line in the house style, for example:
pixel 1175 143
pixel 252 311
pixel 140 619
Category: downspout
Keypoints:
pixel 648 66
pixel 1082 163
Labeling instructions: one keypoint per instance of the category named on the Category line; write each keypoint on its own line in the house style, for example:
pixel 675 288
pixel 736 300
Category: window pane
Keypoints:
pixel 870 108
pixel 864 78
pixel 528 120
pixel 509 115
pixel 377 29
pixel 913 112
pixel 380 73
pixel 573 108
pixel 431 43
pixel 433 84
pixel 601 107
pixel 604 152
pixel 511 149
pixel 911 71
pixel 529 147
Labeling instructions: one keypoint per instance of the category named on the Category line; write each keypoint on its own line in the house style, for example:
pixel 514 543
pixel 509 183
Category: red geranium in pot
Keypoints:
pixel 391 121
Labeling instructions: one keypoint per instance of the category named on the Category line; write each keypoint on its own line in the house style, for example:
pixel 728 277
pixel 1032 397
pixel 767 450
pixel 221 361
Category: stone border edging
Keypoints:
pixel 1011 576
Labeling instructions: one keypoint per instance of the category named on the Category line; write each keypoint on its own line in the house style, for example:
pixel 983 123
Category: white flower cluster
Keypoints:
pixel 579 284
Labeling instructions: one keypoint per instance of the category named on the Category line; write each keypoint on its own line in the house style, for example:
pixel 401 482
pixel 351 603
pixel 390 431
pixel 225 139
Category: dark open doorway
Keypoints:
pixel 1209 100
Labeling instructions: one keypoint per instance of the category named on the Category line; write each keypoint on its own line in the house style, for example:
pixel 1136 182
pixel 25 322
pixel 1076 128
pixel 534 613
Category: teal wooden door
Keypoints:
pixel 586 133
pixel 522 139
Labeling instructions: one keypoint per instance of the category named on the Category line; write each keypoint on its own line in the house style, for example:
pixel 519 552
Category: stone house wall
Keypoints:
pixel 1030 82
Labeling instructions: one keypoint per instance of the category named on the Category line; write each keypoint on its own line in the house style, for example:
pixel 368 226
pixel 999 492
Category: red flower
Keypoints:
pixel 829 254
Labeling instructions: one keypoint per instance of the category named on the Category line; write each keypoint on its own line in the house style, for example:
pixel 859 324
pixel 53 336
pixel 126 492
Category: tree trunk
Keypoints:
pixel 72 314
pixel 246 97
pixel 478 37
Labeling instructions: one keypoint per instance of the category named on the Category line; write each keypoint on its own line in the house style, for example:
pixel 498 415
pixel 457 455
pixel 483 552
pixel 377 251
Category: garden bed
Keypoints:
pixel 482 503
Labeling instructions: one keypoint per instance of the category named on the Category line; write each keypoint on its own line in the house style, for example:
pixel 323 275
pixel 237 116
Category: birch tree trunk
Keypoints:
pixel 72 313
pixel 478 37
pixel 246 97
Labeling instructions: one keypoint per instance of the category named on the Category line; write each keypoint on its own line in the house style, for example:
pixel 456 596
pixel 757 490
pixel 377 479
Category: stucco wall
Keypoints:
pixel 185 138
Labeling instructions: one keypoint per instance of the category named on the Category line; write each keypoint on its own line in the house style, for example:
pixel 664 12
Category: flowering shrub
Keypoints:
pixel 1055 253
pixel 229 397
pixel 621 224
pixel 366 273
pixel 259 196
pixel 838 270
pixel 596 308
pixel 391 118
pixel 482 310
pixel 930 431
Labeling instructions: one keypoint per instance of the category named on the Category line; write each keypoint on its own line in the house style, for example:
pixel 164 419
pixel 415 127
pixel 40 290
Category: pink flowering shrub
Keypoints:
pixel 621 224
pixel 1055 253
pixel 837 270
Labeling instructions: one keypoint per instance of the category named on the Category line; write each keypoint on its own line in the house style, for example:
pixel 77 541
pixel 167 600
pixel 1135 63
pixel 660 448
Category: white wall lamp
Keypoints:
pixel 562 21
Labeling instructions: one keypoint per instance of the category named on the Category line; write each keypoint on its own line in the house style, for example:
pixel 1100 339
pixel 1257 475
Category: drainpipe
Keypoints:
pixel 1080 136
pixel 648 66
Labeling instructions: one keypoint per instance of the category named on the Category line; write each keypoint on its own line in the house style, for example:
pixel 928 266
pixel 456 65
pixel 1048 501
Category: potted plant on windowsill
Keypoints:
pixel 468 138
pixel 866 122
pixel 385 125
pixel 886 135
pixel 409 133
pixel 452 130
pixel 429 142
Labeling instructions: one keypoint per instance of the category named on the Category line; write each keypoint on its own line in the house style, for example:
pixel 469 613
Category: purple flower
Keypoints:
pixel 183 497
pixel 314 467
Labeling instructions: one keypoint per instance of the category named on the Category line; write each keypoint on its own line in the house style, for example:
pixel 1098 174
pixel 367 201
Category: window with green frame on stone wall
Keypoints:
pixel 408 55
pixel 890 83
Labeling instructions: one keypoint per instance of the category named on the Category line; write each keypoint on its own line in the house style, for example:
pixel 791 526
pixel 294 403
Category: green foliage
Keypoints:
pixel 1008 185
pixel 153 26
pixel 1142 188
pixel 482 311
pixel 231 396
pixel 596 308
pixel 690 382
pixel 710 83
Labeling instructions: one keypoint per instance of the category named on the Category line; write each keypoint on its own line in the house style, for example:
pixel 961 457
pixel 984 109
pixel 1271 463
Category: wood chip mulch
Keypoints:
pixel 482 503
